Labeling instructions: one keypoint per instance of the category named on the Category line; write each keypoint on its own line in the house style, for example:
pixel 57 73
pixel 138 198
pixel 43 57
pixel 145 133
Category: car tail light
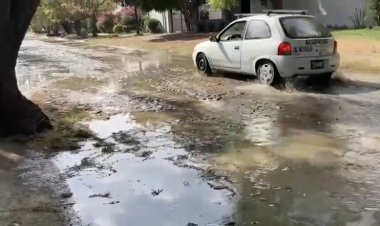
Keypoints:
pixel 285 48
pixel 335 46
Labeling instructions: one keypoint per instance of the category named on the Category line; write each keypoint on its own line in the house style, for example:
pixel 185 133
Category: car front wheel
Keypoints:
pixel 266 73
pixel 202 64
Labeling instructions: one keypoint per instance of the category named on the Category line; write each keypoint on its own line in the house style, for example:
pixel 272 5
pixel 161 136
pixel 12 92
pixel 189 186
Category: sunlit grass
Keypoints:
pixel 359 33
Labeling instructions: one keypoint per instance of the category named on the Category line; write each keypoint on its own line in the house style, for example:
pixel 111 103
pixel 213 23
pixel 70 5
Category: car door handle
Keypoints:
pixel 237 47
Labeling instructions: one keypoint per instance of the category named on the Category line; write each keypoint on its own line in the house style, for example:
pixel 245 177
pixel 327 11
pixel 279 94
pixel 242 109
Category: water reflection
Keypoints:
pixel 131 181
pixel 297 166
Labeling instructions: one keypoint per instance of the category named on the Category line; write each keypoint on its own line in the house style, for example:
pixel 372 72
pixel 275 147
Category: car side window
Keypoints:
pixel 234 32
pixel 258 29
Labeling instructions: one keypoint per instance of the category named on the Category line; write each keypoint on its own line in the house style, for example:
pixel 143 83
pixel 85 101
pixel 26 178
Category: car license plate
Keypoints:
pixel 317 64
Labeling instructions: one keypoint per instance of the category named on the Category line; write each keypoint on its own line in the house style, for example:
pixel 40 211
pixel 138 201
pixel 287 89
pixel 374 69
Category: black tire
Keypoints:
pixel 203 65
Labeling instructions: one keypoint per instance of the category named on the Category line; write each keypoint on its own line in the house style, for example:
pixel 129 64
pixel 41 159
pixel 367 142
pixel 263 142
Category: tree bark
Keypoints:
pixel 77 26
pixel 18 115
pixel 93 24
pixel 191 18
pixel 137 20
pixel 67 27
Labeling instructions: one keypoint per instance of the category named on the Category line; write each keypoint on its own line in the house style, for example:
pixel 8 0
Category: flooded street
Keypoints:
pixel 173 148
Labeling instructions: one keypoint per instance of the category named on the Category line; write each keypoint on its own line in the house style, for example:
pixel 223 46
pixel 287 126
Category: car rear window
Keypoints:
pixel 304 27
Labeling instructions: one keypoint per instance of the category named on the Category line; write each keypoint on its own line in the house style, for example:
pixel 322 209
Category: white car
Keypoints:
pixel 272 45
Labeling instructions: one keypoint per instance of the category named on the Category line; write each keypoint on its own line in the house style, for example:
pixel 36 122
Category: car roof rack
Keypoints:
pixel 242 15
pixel 285 11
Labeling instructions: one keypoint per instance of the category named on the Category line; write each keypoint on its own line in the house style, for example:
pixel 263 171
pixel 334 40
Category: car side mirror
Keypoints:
pixel 214 38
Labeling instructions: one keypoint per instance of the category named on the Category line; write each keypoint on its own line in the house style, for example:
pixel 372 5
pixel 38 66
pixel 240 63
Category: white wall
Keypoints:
pixel 331 12
pixel 178 22
pixel 163 17
pixel 215 14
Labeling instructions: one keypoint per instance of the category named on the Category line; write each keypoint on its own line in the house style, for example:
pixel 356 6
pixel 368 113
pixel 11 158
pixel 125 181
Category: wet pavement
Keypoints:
pixel 176 148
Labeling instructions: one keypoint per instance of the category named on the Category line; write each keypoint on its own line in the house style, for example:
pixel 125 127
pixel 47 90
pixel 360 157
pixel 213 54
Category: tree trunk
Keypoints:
pixel 137 20
pixel 187 22
pixel 67 27
pixel 77 26
pixel 18 115
pixel 93 25
pixel 191 19
pixel 55 30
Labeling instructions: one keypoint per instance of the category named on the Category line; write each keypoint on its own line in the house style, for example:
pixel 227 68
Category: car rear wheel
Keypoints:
pixel 266 73
pixel 203 65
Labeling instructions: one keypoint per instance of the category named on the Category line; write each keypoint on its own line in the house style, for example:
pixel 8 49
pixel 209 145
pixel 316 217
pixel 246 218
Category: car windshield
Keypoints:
pixel 304 27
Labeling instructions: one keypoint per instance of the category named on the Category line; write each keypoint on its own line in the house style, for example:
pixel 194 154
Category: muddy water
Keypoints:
pixel 180 148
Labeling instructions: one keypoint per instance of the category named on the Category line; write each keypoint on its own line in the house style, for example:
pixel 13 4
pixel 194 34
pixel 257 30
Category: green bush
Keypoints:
pixel 38 29
pixel 126 29
pixel 91 26
pixel 154 26
pixel 359 19
pixel 125 19
pixel 144 23
pixel 83 32
pixel 118 28
pixel 105 23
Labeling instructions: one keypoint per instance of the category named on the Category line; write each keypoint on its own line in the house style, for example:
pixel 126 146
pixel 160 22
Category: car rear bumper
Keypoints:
pixel 289 66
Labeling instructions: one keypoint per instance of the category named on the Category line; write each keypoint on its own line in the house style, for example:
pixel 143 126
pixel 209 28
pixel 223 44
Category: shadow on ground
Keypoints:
pixel 180 37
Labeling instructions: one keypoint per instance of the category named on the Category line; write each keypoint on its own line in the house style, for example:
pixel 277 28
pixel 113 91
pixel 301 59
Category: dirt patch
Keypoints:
pixel 182 44
pixel 359 54
pixel 77 84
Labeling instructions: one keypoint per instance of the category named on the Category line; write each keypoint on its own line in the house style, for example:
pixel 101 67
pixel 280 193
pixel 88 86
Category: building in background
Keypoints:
pixel 171 20
pixel 165 18
pixel 336 13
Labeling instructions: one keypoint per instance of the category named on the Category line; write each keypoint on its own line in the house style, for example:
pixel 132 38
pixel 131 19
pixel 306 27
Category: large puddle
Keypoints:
pixel 142 184
pixel 243 155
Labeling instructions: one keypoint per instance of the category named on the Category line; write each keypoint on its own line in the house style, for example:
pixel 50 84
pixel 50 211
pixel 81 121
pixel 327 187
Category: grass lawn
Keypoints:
pixel 360 33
